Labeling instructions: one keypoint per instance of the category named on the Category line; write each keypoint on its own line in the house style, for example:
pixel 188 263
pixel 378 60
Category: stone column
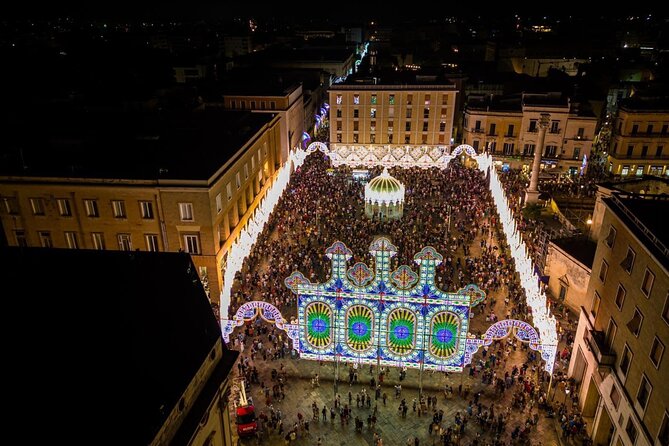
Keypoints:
pixel 532 194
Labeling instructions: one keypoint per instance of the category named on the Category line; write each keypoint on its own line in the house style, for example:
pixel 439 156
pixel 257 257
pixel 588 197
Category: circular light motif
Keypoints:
pixel 359 322
pixel 401 331
pixel 319 324
pixel 444 332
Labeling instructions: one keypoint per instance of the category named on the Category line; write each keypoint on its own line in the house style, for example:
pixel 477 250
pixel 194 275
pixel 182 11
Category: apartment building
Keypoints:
pixel 509 128
pixel 640 138
pixel 388 115
pixel 168 182
pixel 618 356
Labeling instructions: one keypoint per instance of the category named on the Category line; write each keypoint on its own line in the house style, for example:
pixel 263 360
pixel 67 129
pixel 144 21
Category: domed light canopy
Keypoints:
pixel 384 190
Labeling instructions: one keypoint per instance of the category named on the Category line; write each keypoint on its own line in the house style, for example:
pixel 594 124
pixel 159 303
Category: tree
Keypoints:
pixel 532 211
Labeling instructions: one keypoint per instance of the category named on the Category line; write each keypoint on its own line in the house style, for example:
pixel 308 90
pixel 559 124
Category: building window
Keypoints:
pixel 391 99
pixel 219 203
pixel 477 126
pixel 71 240
pixel 372 138
pixel 631 430
pixel 647 284
pixel 426 113
pixel 64 208
pixel 615 396
pixel 356 113
pixel 658 151
pixel 272 105
pixel 356 99
pixel 118 206
pixel 124 242
pixel 98 239
pixel 10 205
pixel 425 126
pixel 563 291
pixel 228 191
pixel 475 144
pixel 643 394
pixel 151 242
pixel 339 99
pixel 625 361
pixel 551 151
pixel 555 127
pixel 192 243
pixel 603 270
pixel 146 207
pixel 186 210
pixel 639 170
pixel 663 434
pixel 444 100
pixel 528 150
pixel 356 138
pixel 407 139
pixel 246 171
pixel 644 151
pixel 238 180
pixel 611 238
pixel 390 138
pixel 45 240
pixel 508 148
pixel 37 205
pixel 533 126
pixel 372 126
pixel 407 127
pixel 596 301
pixel 649 129
pixel 243 105
pixel 372 113
pixel 577 153
pixel 409 99
pixel 665 310
pixel 427 99
pixel 253 105
pixel 635 323
pixel 493 129
pixel 656 352
pixel 91 208
pixel 339 137
pixel 620 296
pixel 373 101
pixel 20 237
pixel 408 113
pixel 630 150
pixel 610 335
pixel 580 133
pixel 339 126
pixel 423 139
pixel 442 126
pixel 628 262
pixel 356 126
pixel 339 112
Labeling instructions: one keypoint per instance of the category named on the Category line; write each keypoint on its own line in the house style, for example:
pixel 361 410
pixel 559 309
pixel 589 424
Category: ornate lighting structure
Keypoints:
pixel 384 197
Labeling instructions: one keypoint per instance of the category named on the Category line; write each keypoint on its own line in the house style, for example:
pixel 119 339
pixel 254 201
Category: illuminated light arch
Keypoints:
pixel 469 150
pixel 318 330
pixel 257 308
pixel 382 316
pixel 317 145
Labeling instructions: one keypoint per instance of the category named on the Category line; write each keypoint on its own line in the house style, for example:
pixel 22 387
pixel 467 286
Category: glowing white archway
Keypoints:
pixel 469 150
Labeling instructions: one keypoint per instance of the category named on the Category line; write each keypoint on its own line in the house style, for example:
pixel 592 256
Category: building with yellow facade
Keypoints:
pixel 618 361
pixel 385 115
pixel 640 138
pixel 509 128
pixel 149 182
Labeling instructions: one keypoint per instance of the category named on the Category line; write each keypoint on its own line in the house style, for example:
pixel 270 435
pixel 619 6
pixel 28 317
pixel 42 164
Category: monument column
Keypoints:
pixel 532 194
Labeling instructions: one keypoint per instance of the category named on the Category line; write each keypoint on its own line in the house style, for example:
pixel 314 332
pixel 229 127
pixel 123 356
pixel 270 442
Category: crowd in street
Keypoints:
pixel 448 209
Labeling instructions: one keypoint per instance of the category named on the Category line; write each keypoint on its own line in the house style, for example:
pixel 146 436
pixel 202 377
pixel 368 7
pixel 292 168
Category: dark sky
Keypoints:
pixel 300 10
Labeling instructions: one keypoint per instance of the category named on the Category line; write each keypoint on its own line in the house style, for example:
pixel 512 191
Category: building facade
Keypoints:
pixel 618 359
pixel 200 213
pixel 508 127
pixel 640 138
pixel 568 267
pixel 391 116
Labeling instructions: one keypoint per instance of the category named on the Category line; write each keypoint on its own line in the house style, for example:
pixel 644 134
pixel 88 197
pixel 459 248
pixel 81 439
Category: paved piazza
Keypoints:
pixel 494 401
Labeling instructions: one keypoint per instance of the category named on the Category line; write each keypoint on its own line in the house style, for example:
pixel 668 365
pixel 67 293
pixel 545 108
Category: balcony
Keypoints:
pixel 554 131
pixel 477 130
pixel 597 343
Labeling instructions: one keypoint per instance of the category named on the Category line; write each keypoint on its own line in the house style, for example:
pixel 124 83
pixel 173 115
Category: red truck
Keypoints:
pixel 246 414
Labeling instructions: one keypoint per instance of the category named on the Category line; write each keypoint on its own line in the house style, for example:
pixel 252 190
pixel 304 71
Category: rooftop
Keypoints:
pixel 646 219
pixel 582 249
pixel 645 104
pixel 391 79
pixel 516 102
pixel 111 343
pixel 126 145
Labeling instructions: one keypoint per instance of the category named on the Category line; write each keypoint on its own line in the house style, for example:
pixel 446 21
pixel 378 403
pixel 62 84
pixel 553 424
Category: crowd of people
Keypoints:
pixel 448 209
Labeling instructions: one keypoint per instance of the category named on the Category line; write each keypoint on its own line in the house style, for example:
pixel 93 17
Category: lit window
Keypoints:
pixel 186 211
pixel 37 205
pixel 147 209
pixel 625 361
pixel 98 240
pixel 246 171
pixel 219 204
pixel 228 191
pixel 124 242
pixel 356 98
pixel 338 99
pixel 64 208
pixel 603 270
pixel 596 300
pixel 635 323
pixel 656 352
pixel 427 99
pixel 372 113
pixel 611 238
pixel 71 240
pixel 151 242
pixel 647 284
pixel 238 180
pixel 391 99
pixel 620 297
pixel 628 262
pixel 91 208
pixel 10 205
pixel 45 239
pixel 643 394
pixel 373 99
pixel 192 243
pixel 118 207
